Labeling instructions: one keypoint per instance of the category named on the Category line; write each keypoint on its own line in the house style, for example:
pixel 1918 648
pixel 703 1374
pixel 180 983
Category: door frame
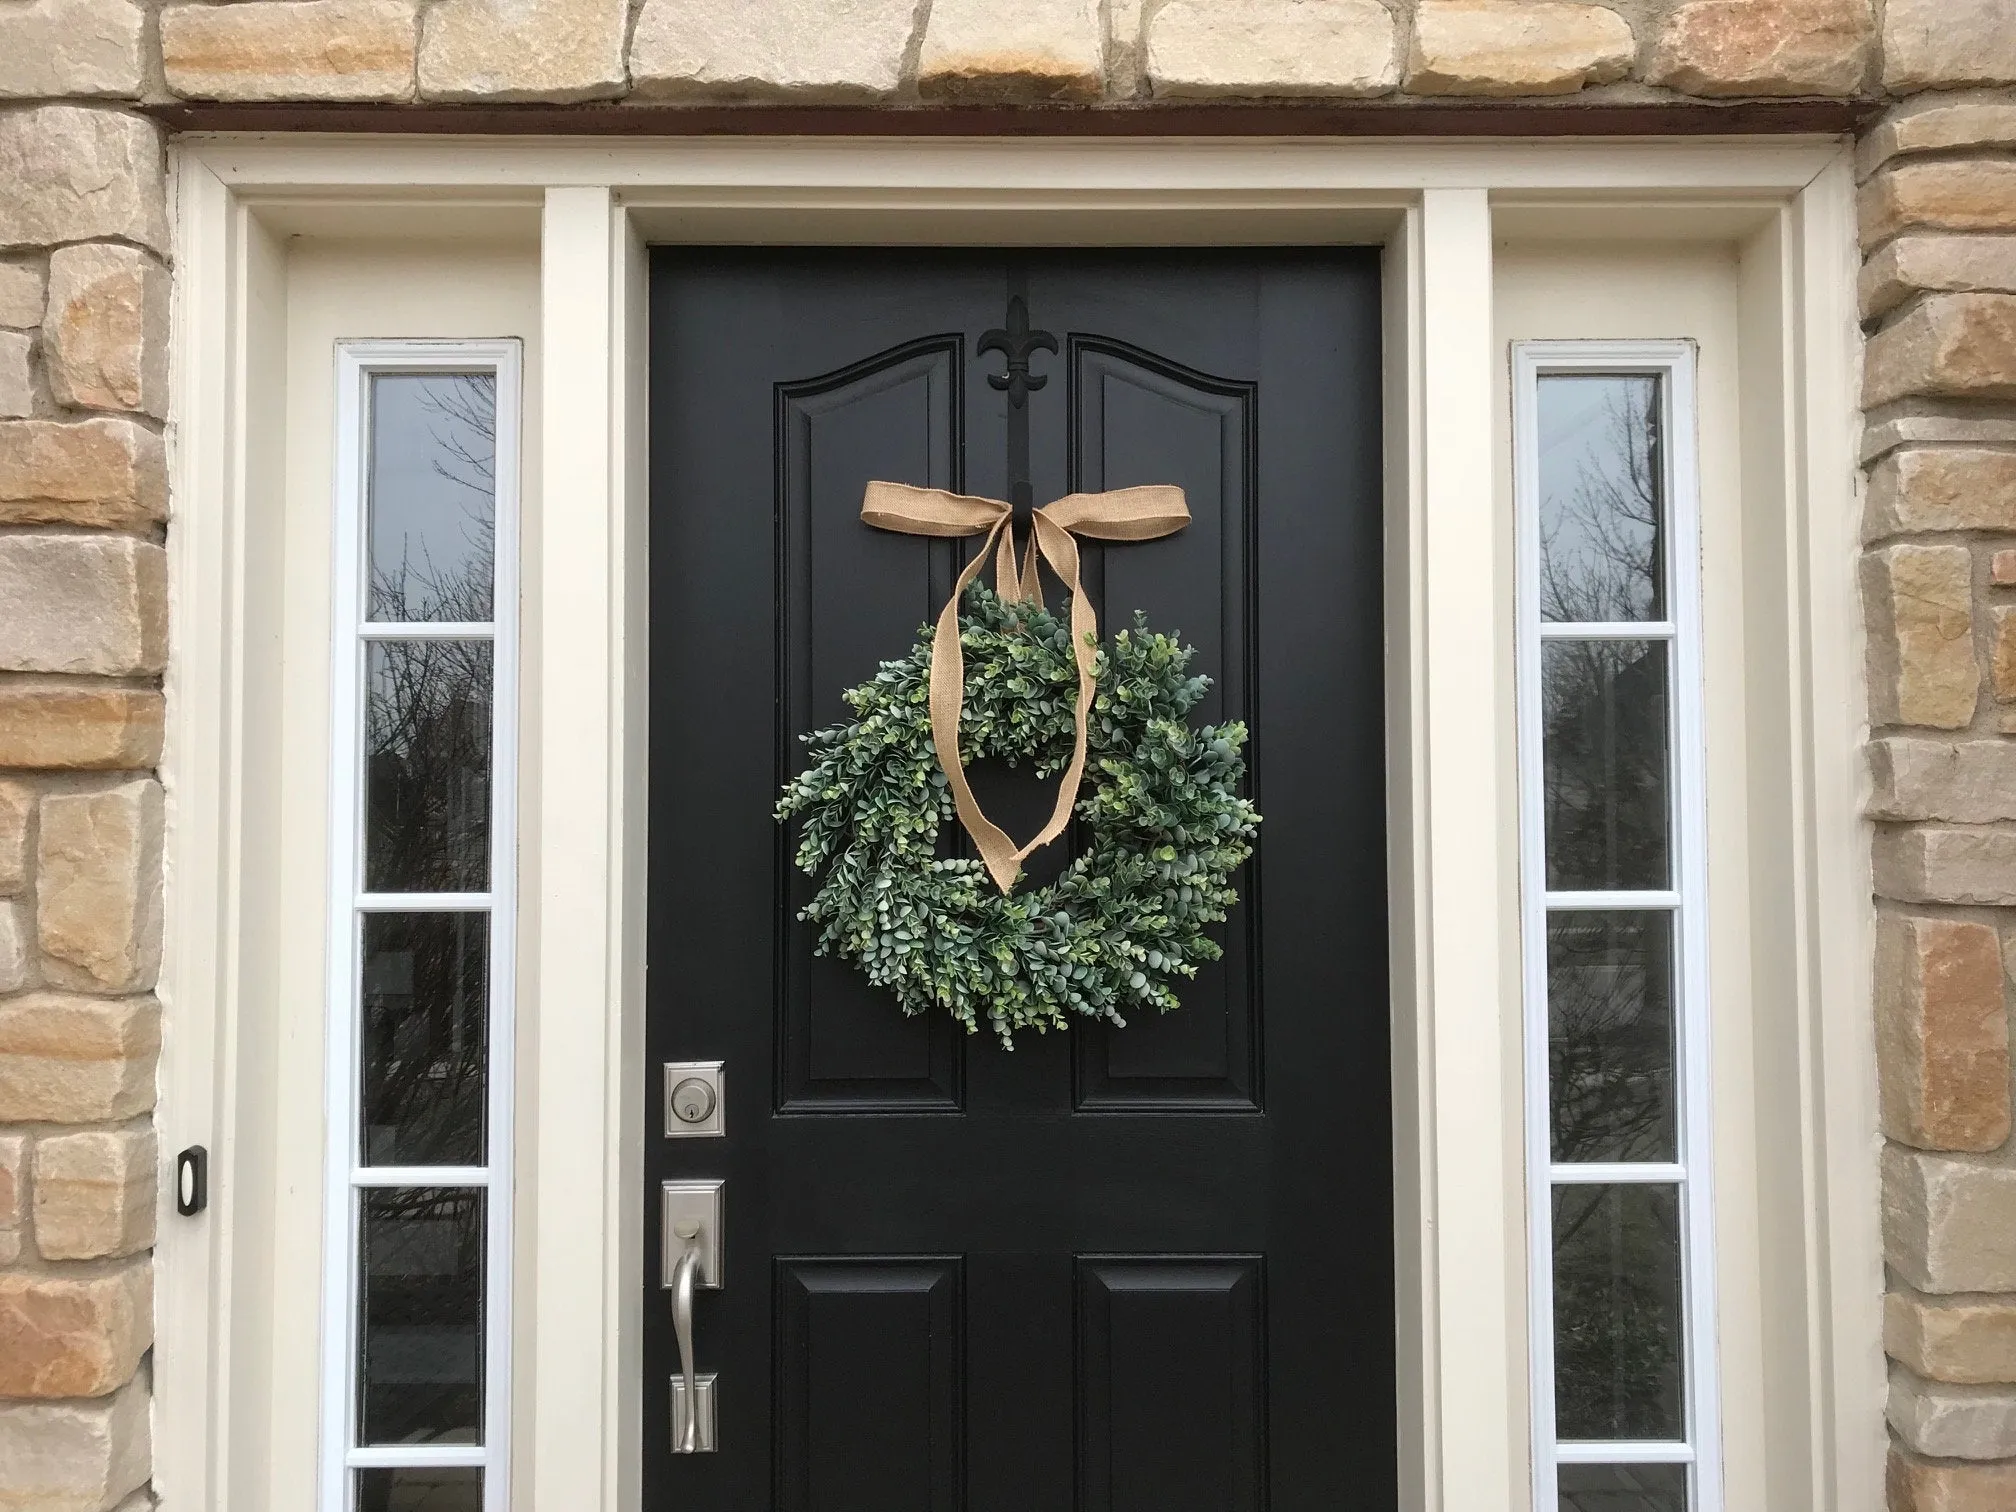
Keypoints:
pixel 226 1395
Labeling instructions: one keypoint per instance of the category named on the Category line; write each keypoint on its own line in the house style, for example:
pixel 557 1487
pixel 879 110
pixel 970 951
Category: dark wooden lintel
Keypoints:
pixel 1365 119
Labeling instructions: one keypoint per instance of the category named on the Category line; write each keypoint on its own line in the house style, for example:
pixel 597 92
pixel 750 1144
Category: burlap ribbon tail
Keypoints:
pixel 1122 514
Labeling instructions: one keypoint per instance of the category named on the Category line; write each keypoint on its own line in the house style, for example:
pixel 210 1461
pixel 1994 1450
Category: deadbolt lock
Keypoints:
pixel 693 1093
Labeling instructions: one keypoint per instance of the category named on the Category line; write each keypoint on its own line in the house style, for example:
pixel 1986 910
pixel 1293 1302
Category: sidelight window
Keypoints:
pixel 416 1342
pixel 1613 913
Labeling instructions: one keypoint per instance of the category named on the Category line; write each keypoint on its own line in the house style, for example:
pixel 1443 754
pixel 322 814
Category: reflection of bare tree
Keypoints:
pixel 1602 541
pixel 1610 1036
pixel 1603 721
pixel 425 1040
pixel 427 734
pixel 1618 1346
pixel 422 1271
pixel 413 586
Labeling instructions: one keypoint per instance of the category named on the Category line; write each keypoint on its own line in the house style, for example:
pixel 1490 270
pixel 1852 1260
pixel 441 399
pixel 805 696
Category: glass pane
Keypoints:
pixel 418 1489
pixel 433 495
pixel 1623 1488
pixel 1602 510
pixel 427 746
pixel 1603 713
pixel 1610 1036
pixel 1617 1319
pixel 426 980
pixel 420 1276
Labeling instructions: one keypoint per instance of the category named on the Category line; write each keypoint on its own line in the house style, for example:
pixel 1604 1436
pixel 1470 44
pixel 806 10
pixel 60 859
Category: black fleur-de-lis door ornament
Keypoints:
pixel 1017 343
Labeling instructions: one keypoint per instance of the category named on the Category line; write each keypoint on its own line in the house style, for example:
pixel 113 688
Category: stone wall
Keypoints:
pixel 84 271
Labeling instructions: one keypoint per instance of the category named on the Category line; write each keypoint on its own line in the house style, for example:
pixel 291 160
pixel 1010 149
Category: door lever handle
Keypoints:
pixel 683 1273
pixel 691 1251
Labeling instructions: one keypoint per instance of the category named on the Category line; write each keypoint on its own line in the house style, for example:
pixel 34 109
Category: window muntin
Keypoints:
pixel 422 928
pixel 1614 922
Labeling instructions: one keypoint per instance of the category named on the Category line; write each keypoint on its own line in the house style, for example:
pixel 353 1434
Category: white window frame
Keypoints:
pixel 357 363
pixel 1674 364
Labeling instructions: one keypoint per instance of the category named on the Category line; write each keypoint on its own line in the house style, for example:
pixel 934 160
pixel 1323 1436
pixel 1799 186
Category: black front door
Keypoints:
pixel 1145 1270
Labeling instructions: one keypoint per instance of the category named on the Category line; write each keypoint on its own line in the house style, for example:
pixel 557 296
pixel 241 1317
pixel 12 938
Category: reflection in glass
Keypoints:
pixel 414 1488
pixel 1610 1036
pixel 1618 1338
pixel 420 1278
pixel 1603 755
pixel 427 781
pixel 425 983
pixel 433 496
pixel 1623 1488
pixel 1602 527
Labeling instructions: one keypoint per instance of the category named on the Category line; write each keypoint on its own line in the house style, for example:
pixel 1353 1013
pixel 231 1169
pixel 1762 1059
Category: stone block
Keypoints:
pixel 1938 123
pixel 83 604
pixel 13 1194
pixel 20 295
pixel 1975 866
pixel 1954 782
pixel 1947 1221
pixel 17 946
pixel 101 472
pixel 1977 194
pixel 78 1456
pixel 1914 1486
pixel 1203 49
pixel 1764 47
pixel 1942 44
pixel 66 1059
pixel 1950 346
pixel 73 1336
pixel 74 174
pixel 94 1193
pixel 291 50
pixel 50 48
pixel 17 812
pixel 98 887
pixel 1033 50
pixel 2002 569
pixel 17 386
pixel 105 336
pixel 1970 1342
pixel 1942 1032
pixel 1919 604
pixel 1516 47
pixel 814 50
pixel 1952 1422
pixel 523 49
pixel 79 727
pixel 2002 653
pixel 1944 488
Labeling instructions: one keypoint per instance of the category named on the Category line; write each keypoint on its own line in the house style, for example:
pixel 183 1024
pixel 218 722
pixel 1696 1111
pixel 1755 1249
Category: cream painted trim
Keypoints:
pixel 1453 796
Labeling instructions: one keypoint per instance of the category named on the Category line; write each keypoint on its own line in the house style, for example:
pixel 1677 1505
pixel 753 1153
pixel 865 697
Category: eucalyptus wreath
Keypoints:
pixel 1164 829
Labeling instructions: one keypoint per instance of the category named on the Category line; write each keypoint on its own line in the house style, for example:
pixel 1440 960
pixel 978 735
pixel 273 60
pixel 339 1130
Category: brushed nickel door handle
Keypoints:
pixel 691 1256
pixel 682 1327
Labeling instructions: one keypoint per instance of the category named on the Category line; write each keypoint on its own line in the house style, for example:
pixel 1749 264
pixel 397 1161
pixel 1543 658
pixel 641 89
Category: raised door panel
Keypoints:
pixel 869 1385
pixel 1137 418
pixel 1171 1395
pixel 850 598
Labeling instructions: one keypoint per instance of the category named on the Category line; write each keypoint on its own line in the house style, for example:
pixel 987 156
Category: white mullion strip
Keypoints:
pixel 420 1176
pixel 417 1456
pixel 399 630
pixel 1674 362
pixel 1649 630
pixel 1618 1173
pixel 475 902
pixel 1568 902
pixel 1623 1452
pixel 348 903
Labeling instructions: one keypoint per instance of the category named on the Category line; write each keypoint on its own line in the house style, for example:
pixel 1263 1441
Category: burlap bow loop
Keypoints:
pixel 1123 514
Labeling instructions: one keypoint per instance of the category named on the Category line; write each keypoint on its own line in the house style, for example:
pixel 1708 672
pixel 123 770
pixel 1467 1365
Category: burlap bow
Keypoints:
pixel 1124 514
